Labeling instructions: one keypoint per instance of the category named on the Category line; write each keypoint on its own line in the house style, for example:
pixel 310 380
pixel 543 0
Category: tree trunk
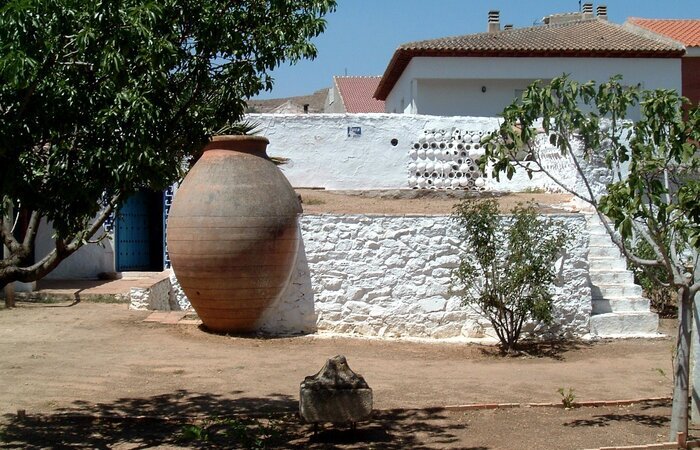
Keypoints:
pixel 695 359
pixel 9 295
pixel 679 413
pixel 8 288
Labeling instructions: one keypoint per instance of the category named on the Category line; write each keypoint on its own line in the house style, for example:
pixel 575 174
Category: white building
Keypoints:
pixel 480 74
pixel 685 32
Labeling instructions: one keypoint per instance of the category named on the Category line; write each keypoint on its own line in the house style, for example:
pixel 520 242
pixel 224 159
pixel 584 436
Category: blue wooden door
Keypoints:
pixel 139 233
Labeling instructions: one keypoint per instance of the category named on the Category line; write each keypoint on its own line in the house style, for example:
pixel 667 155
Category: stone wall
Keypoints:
pixel 390 276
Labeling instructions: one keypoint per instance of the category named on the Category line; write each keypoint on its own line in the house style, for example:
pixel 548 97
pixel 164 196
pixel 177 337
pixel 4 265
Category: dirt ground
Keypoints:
pixel 406 201
pixel 102 359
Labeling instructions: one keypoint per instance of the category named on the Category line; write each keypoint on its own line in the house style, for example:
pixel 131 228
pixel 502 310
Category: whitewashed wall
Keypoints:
pixel 390 276
pixel 323 155
pixel 86 263
pixel 447 97
pixel 406 96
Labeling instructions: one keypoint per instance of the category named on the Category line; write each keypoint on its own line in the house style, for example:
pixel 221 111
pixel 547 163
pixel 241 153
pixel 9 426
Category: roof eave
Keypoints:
pixel 403 56
pixel 394 69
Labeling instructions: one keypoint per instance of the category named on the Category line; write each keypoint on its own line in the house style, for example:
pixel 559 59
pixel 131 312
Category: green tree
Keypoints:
pixel 653 190
pixel 509 266
pixel 101 98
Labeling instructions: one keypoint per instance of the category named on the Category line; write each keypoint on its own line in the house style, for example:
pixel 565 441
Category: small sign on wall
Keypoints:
pixel 354 131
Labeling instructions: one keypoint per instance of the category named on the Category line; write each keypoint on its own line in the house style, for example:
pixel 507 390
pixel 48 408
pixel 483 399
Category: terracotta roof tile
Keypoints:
pixel 356 94
pixel 685 31
pixel 583 38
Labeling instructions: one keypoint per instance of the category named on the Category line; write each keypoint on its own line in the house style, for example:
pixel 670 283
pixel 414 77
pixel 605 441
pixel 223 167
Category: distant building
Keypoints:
pixel 479 74
pixel 685 32
pixel 288 107
pixel 353 95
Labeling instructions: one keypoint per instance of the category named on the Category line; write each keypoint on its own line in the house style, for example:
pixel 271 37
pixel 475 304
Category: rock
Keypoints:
pixel 335 394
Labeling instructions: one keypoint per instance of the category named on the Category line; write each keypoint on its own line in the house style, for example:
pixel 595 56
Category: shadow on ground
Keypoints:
pixel 649 420
pixel 194 420
pixel 555 350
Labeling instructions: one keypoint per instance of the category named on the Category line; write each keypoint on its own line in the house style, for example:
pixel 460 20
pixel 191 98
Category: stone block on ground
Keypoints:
pixel 335 394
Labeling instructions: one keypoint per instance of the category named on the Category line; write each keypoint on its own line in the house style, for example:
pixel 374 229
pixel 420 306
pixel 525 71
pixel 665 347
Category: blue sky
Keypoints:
pixel 362 35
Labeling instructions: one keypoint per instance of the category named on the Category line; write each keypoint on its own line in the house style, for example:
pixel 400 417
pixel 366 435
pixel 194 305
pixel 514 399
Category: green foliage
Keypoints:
pixel 653 162
pixel 111 96
pixel 662 298
pixel 192 432
pixel 508 267
pixel 234 432
pixel 245 127
pixel 568 399
pixel 652 193
pixel 311 201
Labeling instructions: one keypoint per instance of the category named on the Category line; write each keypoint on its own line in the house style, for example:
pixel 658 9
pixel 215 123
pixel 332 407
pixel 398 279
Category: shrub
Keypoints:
pixel 241 432
pixel 508 266
pixel 568 399
pixel 662 298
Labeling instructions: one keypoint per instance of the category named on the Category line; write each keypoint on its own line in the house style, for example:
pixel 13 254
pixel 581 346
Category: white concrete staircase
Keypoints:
pixel 619 309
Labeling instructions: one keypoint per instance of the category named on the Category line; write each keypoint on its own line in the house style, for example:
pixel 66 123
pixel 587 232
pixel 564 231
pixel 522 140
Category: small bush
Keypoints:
pixel 508 266
pixel 194 433
pixel 311 201
pixel 662 298
pixel 534 190
pixel 568 399
pixel 245 433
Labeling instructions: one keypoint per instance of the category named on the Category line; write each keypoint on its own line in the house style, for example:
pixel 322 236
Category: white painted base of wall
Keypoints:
pixel 161 296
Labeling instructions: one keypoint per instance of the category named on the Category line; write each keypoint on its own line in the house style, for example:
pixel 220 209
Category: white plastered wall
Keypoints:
pixel 651 73
pixel 467 97
pixel 87 263
pixel 321 154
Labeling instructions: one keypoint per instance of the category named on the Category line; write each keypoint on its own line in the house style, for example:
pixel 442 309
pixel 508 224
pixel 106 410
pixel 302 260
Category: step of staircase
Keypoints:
pixel 600 239
pixel 625 325
pixel 614 264
pixel 618 307
pixel 604 252
pixel 607 276
pixel 104 291
pixel 629 290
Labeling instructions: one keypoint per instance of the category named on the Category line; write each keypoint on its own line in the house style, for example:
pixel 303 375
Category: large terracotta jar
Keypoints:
pixel 233 233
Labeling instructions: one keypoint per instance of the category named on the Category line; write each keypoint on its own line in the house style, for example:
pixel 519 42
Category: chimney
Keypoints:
pixel 602 11
pixel 494 21
pixel 587 10
pixel 508 26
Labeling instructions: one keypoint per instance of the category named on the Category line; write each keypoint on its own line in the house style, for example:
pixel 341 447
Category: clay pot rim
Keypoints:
pixel 243 143
pixel 238 137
